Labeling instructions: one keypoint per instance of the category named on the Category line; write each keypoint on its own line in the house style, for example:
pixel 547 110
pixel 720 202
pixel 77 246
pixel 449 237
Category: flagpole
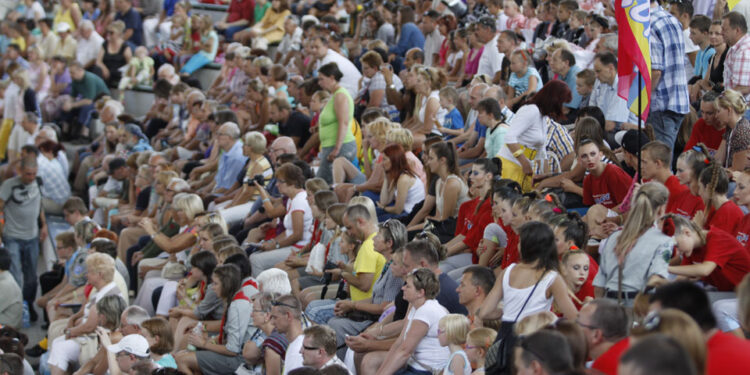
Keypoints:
pixel 639 125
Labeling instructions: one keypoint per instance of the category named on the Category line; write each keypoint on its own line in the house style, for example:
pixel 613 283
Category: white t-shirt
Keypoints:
pixel 293 357
pixel 432 43
pixel 429 351
pixel 88 49
pixel 491 60
pixel 299 203
pixel 351 75
pixel 528 129
pixel 35 11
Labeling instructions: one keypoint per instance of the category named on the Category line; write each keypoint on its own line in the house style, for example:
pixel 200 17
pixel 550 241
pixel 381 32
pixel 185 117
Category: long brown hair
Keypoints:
pixel 399 165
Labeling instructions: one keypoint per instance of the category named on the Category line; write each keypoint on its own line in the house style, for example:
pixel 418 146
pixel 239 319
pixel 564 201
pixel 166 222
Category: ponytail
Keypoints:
pixel 649 197
pixel 715 179
pixel 494 166
pixel 447 150
pixel 675 223
pixel 574 228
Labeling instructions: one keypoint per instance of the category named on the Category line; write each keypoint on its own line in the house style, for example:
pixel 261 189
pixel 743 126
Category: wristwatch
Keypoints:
pixel 392 87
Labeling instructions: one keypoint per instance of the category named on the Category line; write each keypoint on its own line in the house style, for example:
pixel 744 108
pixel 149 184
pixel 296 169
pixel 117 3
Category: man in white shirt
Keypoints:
pixel 432 37
pixel 291 42
pixel 325 55
pixel 89 44
pixel 286 313
pixel 491 60
pixel 319 348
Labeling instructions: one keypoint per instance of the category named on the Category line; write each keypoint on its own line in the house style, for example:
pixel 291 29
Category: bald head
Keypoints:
pixel 477 93
pixel 285 145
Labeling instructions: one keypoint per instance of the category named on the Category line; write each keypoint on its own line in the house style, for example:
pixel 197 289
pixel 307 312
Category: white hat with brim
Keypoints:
pixel 62 27
pixel 135 344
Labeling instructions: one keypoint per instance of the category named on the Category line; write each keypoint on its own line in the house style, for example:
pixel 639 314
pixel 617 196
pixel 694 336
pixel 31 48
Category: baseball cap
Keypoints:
pixel 133 344
pixel 628 139
pixel 62 27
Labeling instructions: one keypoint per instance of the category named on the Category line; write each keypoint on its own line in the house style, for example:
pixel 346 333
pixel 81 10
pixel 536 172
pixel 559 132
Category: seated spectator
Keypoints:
pixel 269 30
pixel 288 319
pixel 89 45
pixel 401 189
pixel 420 290
pixel 724 350
pixel 545 352
pixel 292 123
pixel 207 47
pixel 323 340
pixel 297 221
pixel 732 152
pixel 100 273
pixel 604 94
pixel 713 186
pixel 637 242
pixel 225 355
pixel 239 16
pixel 376 87
pixel 410 35
pixel 131 18
pixel 641 357
pixel 524 79
pixel 77 109
pixel 713 255
pixel 11 309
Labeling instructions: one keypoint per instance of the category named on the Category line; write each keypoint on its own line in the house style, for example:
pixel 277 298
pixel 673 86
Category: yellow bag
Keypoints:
pixel 512 170
pixel 5 130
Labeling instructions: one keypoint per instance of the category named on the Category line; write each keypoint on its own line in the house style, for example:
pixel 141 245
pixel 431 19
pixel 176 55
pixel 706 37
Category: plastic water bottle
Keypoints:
pixel 197 330
pixel 26 315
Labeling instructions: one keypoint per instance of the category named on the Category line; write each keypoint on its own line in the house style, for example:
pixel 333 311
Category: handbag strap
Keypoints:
pixel 529 297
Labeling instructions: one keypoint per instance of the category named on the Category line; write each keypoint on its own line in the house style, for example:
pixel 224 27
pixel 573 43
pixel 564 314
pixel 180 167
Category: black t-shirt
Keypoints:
pixel 297 125
pixel 141 201
pixel 447 297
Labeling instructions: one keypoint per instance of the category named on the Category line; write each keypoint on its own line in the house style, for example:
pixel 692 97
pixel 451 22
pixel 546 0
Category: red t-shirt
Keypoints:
pixel 479 221
pixel 608 362
pixel 511 252
pixel 743 232
pixel 464 219
pixel 706 134
pixel 609 189
pixel 241 10
pixel 727 354
pixel 726 218
pixel 731 258
pixel 684 203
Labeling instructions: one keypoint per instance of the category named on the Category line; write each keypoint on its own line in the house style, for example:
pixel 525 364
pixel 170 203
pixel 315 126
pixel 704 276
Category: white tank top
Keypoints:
pixel 513 299
pixel 414 195
pixel 463 196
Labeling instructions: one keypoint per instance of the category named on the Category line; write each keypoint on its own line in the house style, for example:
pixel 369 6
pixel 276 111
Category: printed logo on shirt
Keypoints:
pixel 742 237
pixel 602 199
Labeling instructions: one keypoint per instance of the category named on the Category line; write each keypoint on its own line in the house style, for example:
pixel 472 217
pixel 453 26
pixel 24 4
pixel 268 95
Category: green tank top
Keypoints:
pixel 329 123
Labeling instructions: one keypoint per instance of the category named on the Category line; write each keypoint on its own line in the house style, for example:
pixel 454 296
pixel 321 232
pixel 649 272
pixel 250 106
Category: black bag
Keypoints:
pixel 503 346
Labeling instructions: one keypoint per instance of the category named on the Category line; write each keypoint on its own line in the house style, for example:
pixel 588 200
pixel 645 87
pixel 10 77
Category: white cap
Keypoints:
pixel 62 27
pixel 309 17
pixel 133 344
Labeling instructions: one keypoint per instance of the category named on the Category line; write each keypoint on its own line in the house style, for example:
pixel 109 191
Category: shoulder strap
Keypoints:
pixel 529 297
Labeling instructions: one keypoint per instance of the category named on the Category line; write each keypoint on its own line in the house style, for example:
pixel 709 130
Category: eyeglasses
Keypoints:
pixel 586 325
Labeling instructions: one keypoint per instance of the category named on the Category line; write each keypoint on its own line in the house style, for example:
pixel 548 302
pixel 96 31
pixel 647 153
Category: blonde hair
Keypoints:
pixel 190 204
pixel 534 323
pixel 256 141
pixel 646 201
pixel 215 218
pixel 368 203
pixel 102 264
pixel 379 129
pixel 680 222
pixel 23 76
pixel 681 327
pixel 164 177
pixel 401 136
pixel 456 327
pixel 321 95
pixel 316 184
pixel 732 99
pixel 482 337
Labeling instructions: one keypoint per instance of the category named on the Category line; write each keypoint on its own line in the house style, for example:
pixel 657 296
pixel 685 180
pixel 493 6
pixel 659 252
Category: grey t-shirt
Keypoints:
pixel 211 307
pixel 22 205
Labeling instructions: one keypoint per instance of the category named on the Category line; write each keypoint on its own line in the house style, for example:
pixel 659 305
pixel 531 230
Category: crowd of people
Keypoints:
pixel 372 187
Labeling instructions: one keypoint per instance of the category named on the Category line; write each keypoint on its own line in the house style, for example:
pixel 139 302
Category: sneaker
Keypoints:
pixel 35 351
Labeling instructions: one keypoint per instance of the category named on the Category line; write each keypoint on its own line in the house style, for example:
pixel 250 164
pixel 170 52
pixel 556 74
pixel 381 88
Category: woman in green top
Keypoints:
pixel 336 138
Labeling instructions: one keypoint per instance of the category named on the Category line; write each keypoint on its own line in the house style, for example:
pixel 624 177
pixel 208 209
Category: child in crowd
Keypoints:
pixel 585 81
pixel 140 71
pixel 720 211
pixel 516 20
pixel 690 164
pixel 333 223
pixel 576 270
pixel 524 81
pixel 453 125
pixel 491 116
pixel 575 29
pixel 713 255
pixel 478 343
pixel 656 160
pixel 452 331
